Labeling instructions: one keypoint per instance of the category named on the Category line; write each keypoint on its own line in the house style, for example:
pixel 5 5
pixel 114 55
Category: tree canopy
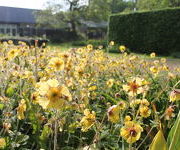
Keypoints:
pixel 56 16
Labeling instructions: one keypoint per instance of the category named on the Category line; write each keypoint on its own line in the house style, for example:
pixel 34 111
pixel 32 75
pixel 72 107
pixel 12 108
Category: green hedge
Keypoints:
pixel 145 32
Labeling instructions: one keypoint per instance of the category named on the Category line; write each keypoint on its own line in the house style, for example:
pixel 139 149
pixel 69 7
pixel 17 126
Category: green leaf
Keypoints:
pixel 174 135
pixel 158 142
pixel 10 92
pixel 1 106
pixel 44 136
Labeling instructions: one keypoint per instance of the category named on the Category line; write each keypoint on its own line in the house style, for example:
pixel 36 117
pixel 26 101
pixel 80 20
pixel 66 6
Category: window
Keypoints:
pixel 14 32
pixel 2 31
pixel 7 30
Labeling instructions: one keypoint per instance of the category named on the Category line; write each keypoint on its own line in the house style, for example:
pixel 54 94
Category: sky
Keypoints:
pixel 33 4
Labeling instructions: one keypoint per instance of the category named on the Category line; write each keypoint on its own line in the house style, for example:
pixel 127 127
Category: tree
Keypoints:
pixel 99 10
pixel 156 4
pixel 55 16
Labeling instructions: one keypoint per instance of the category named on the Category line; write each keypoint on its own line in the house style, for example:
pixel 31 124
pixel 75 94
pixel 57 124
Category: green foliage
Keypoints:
pixel 158 141
pixel 152 4
pixel 174 135
pixel 153 31
pixel 156 4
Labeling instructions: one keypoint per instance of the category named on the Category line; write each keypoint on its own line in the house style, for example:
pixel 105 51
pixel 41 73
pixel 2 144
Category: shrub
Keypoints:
pixel 152 31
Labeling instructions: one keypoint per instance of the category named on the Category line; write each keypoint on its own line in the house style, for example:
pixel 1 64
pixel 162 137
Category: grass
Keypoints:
pixel 62 46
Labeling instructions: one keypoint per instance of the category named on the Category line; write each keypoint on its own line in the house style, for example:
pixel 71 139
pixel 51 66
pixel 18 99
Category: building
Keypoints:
pixel 18 22
pixel 94 30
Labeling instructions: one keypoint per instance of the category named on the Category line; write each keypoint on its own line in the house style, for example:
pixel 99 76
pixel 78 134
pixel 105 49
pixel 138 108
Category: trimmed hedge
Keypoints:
pixel 145 32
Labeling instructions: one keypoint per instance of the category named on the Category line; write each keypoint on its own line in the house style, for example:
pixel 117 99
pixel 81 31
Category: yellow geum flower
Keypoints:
pixel 169 113
pixel 131 131
pixel 21 109
pixel 111 43
pixel 144 102
pixel 152 55
pixel 127 118
pixel 2 143
pixel 122 48
pixel 90 47
pixel 135 86
pixel 56 63
pixel 154 69
pixel 145 111
pixel 53 95
pixel 175 95
pixel 122 105
pixel 12 53
pixel 163 60
pixel 110 83
pixel 92 88
pixel 113 113
pixel 88 120
pixel 135 102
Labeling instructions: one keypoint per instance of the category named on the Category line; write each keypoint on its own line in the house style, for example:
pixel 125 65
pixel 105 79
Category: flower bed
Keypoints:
pixel 84 99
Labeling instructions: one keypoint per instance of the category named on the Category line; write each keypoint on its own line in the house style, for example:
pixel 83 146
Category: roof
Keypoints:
pixel 16 15
pixel 92 24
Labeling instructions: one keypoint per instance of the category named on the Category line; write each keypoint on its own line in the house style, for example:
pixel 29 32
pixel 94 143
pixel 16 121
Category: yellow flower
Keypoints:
pixel 34 97
pixel 53 95
pixel 131 132
pixel 122 48
pixel 57 64
pixel 169 113
pixel 110 83
pixel 6 126
pixel 10 42
pixel 163 60
pixel 26 74
pixel 175 95
pixel 42 87
pixel 145 111
pixel 127 118
pixel 145 102
pixel 89 47
pixel 2 143
pixel 93 88
pixel 152 55
pixel 154 69
pixel 88 120
pixel 135 86
pixel 80 50
pixel 111 43
pixel 12 53
pixel 21 109
pixel 122 105
pixel 113 113
pixel 135 102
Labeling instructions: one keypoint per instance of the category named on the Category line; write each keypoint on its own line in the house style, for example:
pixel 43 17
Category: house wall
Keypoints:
pixel 21 29
pixel 9 29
